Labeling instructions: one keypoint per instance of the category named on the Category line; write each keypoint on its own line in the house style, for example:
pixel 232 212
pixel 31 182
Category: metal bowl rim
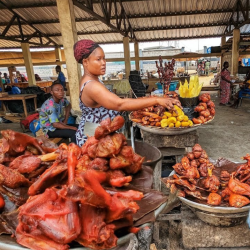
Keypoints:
pixel 216 209
pixel 166 130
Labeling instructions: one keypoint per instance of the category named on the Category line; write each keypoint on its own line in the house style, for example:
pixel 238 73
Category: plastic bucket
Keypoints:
pixel 159 85
pixel 173 85
pixel 152 154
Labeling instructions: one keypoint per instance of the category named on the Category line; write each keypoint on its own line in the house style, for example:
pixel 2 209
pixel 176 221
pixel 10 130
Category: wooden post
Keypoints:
pixel 235 51
pixel 137 62
pixel 28 64
pixel 223 42
pixel 58 53
pixel 69 35
pixel 126 56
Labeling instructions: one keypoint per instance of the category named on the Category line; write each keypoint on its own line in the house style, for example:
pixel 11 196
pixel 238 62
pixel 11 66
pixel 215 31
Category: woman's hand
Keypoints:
pixel 169 103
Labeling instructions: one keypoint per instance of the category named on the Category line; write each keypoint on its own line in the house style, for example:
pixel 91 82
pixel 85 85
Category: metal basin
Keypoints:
pixel 217 216
pixel 152 154
pixel 221 220
pixel 166 131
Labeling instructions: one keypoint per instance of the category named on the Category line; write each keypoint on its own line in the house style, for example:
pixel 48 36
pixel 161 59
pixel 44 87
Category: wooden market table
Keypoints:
pixel 23 98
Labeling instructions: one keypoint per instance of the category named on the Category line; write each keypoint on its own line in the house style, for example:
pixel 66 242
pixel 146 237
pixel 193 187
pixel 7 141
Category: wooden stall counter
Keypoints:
pixel 23 98
pixel 44 85
pixel 41 84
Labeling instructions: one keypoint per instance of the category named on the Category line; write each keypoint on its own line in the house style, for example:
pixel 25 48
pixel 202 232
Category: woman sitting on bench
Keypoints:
pixel 52 119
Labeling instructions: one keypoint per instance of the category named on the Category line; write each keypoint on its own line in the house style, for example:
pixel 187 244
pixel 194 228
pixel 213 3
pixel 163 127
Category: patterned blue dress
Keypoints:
pixel 94 115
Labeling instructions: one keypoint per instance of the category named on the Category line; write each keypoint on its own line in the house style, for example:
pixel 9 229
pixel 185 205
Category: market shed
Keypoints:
pixel 60 23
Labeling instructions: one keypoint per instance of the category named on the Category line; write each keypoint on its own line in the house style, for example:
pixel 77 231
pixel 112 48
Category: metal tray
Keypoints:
pixel 213 209
pixel 166 130
pixel 9 243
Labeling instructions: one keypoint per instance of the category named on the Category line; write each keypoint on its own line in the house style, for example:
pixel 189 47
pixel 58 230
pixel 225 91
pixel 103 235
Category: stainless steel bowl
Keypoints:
pixel 215 215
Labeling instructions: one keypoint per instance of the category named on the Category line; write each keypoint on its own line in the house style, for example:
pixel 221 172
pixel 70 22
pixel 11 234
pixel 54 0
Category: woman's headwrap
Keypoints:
pixel 83 48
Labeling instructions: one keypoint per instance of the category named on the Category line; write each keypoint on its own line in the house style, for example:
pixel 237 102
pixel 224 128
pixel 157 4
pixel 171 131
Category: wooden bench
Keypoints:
pixel 56 140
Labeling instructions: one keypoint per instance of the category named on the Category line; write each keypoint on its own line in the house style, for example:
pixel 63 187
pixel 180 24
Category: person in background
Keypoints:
pixel 61 78
pixel 218 67
pixel 225 85
pixel 37 77
pixel 244 89
pixel 207 67
pixel 6 77
pixel 97 103
pixel 1 82
pixel 52 119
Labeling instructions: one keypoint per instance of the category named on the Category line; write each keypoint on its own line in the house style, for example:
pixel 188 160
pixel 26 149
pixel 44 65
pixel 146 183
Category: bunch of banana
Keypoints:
pixel 175 119
pixel 191 89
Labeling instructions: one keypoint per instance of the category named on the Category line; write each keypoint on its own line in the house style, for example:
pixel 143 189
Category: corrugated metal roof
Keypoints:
pixel 172 6
pixel 165 19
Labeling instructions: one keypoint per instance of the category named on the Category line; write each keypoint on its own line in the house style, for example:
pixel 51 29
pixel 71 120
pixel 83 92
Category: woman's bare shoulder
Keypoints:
pixel 89 83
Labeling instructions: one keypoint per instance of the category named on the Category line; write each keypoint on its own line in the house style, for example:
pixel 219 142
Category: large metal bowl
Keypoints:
pixel 215 209
pixel 215 215
pixel 212 209
pixel 166 130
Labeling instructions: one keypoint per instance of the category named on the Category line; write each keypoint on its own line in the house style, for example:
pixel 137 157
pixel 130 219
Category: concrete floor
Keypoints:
pixel 228 135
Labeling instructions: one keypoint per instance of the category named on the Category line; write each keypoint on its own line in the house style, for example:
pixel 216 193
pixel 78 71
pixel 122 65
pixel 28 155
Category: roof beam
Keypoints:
pixel 239 8
pixel 8 25
pixel 29 5
pixel 20 41
pixel 141 29
pixel 106 6
pixel 135 16
pixel 49 4
pixel 19 20
pixel 186 26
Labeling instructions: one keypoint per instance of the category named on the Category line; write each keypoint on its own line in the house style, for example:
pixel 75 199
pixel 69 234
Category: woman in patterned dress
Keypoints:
pixel 225 85
pixel 96 101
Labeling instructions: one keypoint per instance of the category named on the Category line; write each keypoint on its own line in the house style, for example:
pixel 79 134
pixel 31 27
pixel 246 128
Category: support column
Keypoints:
pixel 235 51
pixel 126 56
pixel 58 53
pixel 223 42
pixel 28 63
pixel 69 35
pixel 137 62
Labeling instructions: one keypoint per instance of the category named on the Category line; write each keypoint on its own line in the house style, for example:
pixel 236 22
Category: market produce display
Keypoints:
pixel 69 193
pixel 205 108
pixel 176 118
pixel 191 89
pixel 197 178
pixel 158 116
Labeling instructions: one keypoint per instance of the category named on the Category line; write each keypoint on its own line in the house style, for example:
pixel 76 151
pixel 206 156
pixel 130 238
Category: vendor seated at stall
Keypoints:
pixel 52 119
